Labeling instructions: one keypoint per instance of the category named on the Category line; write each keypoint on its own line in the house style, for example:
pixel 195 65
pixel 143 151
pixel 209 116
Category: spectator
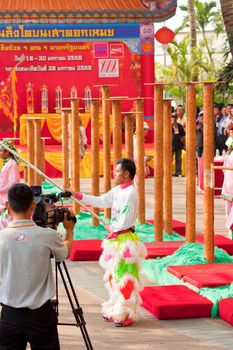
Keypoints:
pixel 181 118
pixel 217 128
pixel 147 158
pixel 199 135
pixel 227 189
pixel 178 143
pixel 83 140
pixel 10 172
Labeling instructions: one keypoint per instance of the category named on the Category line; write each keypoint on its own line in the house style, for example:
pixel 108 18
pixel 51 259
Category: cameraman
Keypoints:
pixel 26 277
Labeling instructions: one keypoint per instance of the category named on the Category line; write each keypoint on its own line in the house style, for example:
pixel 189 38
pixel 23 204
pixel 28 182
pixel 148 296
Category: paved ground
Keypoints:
pixel 148 333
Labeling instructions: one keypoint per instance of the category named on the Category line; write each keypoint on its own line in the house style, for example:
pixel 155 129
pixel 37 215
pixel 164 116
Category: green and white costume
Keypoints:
pixel 122 252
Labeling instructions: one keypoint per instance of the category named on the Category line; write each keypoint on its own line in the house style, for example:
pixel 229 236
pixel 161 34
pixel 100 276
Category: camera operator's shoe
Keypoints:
pixel 107 319
pixel 125 323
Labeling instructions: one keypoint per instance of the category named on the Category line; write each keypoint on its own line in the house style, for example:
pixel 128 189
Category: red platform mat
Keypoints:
pixel 84 250
pixel 226 310
pixel 210 280
pixel 177 301
pixel 177 226
pixel 181 270
pixel 161 249
pixel 221 242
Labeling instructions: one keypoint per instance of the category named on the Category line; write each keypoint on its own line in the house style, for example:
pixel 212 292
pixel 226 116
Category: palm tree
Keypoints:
pixel 226 74
pixel 192 22
pixel 227 13
pixel 193 30
pixel 206 13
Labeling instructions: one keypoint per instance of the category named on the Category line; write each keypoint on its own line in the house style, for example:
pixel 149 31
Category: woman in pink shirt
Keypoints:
pixel 227 189
pixel 9 176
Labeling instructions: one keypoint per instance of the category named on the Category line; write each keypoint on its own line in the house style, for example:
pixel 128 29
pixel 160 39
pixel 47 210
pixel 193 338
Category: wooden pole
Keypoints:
pixel 95 154
pixel 75 151
pixel 42 160
pixel 208 153
pixel 129 126
pixel 117 132
pixel 167 168
pixel 65 149
pixel 37 153
pixel 158 162
pixel 191 163
pixel 140 161
pixel 30 151
pixel 25 173
pixel 106 144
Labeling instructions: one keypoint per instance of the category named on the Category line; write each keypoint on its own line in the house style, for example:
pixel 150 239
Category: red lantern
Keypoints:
pixel 164 35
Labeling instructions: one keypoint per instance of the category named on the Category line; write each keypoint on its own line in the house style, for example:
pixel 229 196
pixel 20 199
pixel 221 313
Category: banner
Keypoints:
pixel 65 32
pixel 68 65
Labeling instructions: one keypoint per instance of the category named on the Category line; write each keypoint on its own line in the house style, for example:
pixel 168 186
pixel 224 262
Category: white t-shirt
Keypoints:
pixel 26 277
pixel 123 201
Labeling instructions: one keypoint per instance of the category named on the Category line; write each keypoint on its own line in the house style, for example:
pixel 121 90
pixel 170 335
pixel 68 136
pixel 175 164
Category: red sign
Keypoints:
pixel 116 50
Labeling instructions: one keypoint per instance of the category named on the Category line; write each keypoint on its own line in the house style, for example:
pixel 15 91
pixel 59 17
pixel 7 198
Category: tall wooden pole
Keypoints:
pixel 37 153
pixel 65 149
pixel 191 163
pixel 208 153
pixel 158 161
pixel 95 154
pixel 117 132
pixel 167 168
pixel 75 150
pixel 106 144
pixel 140 161
pixel 30 151
pixel 129 126
pixel 42 160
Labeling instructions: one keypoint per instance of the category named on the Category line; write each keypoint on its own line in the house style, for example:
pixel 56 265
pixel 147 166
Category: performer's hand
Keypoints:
pixel 108 228
pixel 78 195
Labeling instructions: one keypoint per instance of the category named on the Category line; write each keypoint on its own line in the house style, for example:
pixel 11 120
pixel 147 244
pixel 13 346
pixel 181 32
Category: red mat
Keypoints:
pixel 161 249
pixel 84 250
pixel 177 226
pixel 221 242
pixel 177 301
pixel 210 280
pixel 226 310
pixel 181 270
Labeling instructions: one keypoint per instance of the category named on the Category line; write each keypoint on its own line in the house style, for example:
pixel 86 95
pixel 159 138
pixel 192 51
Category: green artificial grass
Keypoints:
pixel 85 230
pixel 156 269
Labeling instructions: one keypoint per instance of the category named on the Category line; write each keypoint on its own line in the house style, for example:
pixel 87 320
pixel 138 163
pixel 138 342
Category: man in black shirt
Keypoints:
pixel 178 143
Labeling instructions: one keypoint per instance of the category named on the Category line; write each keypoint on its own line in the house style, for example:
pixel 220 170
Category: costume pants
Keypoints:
pixel 177 153
pixel 121 261
pixel 38 327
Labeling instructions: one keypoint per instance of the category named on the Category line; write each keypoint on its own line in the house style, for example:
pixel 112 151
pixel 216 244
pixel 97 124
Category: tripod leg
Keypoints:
pixel 75 306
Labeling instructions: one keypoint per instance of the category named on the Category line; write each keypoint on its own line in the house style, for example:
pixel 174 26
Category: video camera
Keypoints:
pixel 46 213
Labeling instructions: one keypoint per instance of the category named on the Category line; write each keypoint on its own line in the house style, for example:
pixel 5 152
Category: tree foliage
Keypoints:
pixel 193 62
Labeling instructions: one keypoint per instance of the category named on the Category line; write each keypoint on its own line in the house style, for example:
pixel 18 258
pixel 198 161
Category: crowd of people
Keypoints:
pixel 223 123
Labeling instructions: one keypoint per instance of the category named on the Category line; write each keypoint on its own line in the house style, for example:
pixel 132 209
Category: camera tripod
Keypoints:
pixel 73 300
